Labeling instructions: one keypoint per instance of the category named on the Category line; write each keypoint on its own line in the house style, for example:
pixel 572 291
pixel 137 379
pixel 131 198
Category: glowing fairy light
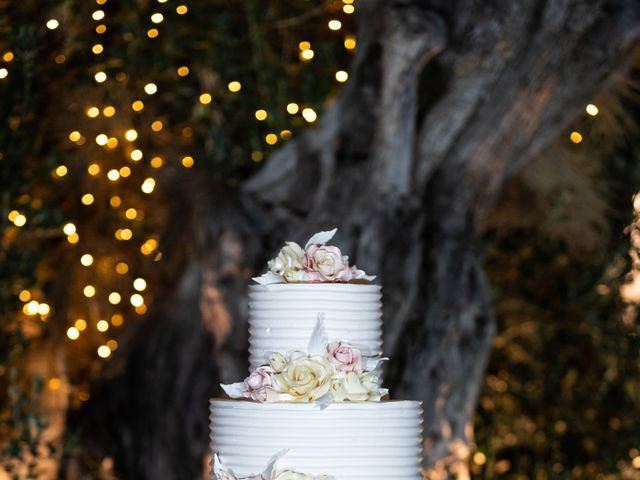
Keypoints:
pixel 234 86
pixel 136 300
pixel 52 24
pixel 205 98
pixel 575 137
pixel 187 162
pixel 335 25
pixel 148 185
pixel 100 77
pixel 69 229
pixel 131 135
pixel 309 115
pixel 86 260
pixel 150 88
pixel 342 76
pixel 139 284
pixel 104 351
pixel 73 333
pixel 87 199
pixel 261 115
pixel 292 108
pixel 592 109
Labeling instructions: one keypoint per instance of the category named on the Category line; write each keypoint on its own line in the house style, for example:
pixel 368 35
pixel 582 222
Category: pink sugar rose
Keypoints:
pixel 328 262
pixel 345 357
pixel 257 382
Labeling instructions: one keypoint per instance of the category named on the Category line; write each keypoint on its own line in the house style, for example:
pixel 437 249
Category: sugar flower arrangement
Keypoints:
pixel 328 372
pixel 317 262
pixel 270 473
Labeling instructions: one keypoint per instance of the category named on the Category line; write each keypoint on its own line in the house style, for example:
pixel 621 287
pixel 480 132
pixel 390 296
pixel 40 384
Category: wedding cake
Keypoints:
pixel 312 407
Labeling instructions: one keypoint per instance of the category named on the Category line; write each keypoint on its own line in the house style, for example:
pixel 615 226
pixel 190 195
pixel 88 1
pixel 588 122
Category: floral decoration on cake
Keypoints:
pixel 316 263
pixel 327 372
pixel 270 473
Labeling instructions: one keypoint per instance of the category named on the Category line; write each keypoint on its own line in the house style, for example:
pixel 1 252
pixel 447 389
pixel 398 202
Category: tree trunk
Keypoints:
pixel 445 101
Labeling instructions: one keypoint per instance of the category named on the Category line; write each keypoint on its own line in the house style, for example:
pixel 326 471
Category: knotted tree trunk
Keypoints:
pixel 446 101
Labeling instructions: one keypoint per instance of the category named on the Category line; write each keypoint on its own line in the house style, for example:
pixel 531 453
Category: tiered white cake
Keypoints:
pixel 311 409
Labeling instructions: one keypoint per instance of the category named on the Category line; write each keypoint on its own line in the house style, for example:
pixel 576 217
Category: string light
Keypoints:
pixel 137 106
pixel 73 238
pixel 592 109
pixel 52 24
pixel 102 139
pixel 60 59
pixel 115 201
pixel 73 333
pixel 157 18
pixel 139 284
pixel 31 308
pixel 112 143
pixel 131 213
pixel 20 220
pixel 150 88
pixel 148 185
pixel 80 324
pixel 342 76
pixel 271 138
pixel 93 112
pixel 285 134
pixel 113 175
pixel 136 155
pixel 24 296
pixel 575 137
pixel 75 136
pixel 131 134
pixel 156 162
pixel 100 29
pixel 349 42
pixel 306 55
pixel 304 45
pixel 153 33
pixel 8 56
pixel 93 169
pixel 114 298
pixel 293 108
pixel 205 98
pixel 117 320
pixel 54 383
pixel 100 77
pixel 261 115
pixel 181 9
pixel 104 351
pixel 87 199
pixel 148 247
pixel 112 344
pixel 69 229
pixel 348 9
pixel 136 300
pixel 86 260
pixel 44 309
pixel 97 15
pixel 183 71
pixel 89 291
pixel 156 126
pixel 309 115
pixel 3 73
pixel 61 171
pixel 335 25
pixel 187 162
pixel 234 86
pixel 124 171
pixel 122 268
pixel 256 156
pixel 97 49
pixel 109 111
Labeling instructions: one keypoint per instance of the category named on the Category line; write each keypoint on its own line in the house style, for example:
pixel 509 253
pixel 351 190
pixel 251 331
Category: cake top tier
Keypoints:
pixel 316 263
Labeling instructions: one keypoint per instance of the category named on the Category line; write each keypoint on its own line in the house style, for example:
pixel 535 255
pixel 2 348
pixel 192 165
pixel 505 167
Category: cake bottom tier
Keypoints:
pixel 350 441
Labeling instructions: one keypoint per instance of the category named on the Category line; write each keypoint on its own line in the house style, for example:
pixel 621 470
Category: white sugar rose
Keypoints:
pixel 277 362
pixel 357 387
pixel 345 357
pixel 328 262
pixel 289 263
pixel 256 384
pixel 306 378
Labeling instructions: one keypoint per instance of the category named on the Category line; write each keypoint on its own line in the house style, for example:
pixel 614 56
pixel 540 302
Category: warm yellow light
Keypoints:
pixel 115 201
pixel 342 76
pixel 87 199
pixel 157 126
pixel 44 309
pixel 104 351
pixel 136 300
pixel 636 462
pixel 136 155
pixel 20 220
pixel 73 238
pixel 156 162
pixel 13 214
pixel 149 246
pixel 81 324
pixel 114 298
pixel 292 108
pixel 93 112
pixel 183 71
pixel 112 344
pixel 112 143
pixel 181 9
pixel 234 86
pixel 271 138
pixel 24 296
pixel 592 110
pixel 479 458
pixel 69 229
pixel 97 49
pixel 100 77
pixel 285 134
pixel 348 9
pixel 139 284
pixel 150 88
pixel 100 29
pixel 75 136
pixel 187 162
pixel 261 114
pixel 131 134
pixel 97 15
pixel 93 169
pixel 73 333
pixel 157 18
pixel 89 291
pixel 86 259
pixel 31 308
pixel 61 171
pixel 309 115
pixel 148 185
pixel 205 98
pixel 335 25
pixel 54 383
pixel 122 268
pixel 304 45
pixel 8 56
pixel 187 132
pixel 102 139
pixel 137 106
pixel 153 33
pixel 109 111
pixel 575 137
pixel 60 59
pixel 52 24
pixel 124 171
pixel 349 42
pixel 3 73
pixel 117 320
pixel 124 234
pixel 306 55
pixel 113 174
pixel 256 156
pixel 131 213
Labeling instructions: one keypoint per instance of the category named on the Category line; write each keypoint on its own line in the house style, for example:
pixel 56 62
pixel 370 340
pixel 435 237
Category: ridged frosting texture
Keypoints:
pixel 282 317
pixel 351 441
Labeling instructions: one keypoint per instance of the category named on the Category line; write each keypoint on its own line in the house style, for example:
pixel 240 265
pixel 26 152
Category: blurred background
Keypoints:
pixel 128 125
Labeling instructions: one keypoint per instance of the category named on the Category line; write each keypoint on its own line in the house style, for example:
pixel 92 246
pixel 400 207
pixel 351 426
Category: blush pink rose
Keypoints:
pixel 328 262
pixel 345 357
pixel 257 382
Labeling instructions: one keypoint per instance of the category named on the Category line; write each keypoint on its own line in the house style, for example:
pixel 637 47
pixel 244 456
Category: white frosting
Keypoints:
pixel 351 441
pixel 283 316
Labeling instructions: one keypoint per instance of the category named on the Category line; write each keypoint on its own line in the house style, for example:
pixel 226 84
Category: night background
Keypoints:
pixel 482 158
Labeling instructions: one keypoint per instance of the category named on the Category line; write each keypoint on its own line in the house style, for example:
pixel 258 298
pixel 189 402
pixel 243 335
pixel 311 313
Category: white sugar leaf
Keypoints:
pixel 318 341
pixel 234 390
pixel 324 401
pixel 268 472
pixel 321 238
pixel 268 278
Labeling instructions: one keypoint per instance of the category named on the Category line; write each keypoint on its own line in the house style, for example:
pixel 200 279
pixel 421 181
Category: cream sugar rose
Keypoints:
pixel 311 407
